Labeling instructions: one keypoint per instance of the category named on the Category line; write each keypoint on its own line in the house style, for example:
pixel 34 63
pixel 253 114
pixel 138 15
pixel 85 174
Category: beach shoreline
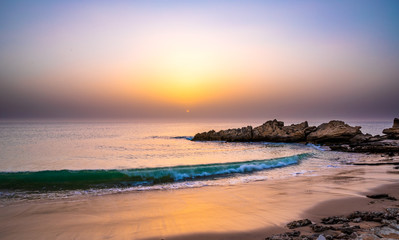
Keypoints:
pixel 251 210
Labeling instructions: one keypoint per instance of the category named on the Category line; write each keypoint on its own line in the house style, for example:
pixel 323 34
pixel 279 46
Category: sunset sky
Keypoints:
pixel 213 58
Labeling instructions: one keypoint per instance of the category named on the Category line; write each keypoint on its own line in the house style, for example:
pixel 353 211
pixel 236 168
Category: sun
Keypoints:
pixel 188 110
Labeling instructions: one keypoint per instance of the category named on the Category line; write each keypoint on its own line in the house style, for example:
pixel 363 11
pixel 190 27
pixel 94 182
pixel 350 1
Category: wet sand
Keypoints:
pixel 244 211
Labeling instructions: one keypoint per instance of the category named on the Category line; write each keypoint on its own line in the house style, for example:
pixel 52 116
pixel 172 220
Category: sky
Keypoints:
pixel 199 58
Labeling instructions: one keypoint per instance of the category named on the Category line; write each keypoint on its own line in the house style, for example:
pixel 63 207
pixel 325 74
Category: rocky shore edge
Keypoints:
pixel 360 225
pixel 335 134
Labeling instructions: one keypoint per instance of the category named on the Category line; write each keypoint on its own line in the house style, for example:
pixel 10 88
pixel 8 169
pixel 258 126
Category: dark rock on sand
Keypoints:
pixel 347 229
pixel 388 227
pixel 334 131
pixel 299 223
pixel 381 196
pixel 393 132
pixel 334 220
pixel 367 216
pixel 320 228
pixel 287 235
pixel 393 211
pixel 386 232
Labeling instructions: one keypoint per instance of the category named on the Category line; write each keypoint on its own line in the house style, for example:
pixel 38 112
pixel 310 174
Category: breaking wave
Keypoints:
pixel 100 179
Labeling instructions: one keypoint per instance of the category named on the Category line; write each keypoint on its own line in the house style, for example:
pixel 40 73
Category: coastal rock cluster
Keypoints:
pixel 336 134
pixel 275 131
pixel 354 226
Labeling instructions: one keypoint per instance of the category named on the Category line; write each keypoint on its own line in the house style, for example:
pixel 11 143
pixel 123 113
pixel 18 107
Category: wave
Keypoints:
pixel 175 137
pixel 317 147
pixel 99 179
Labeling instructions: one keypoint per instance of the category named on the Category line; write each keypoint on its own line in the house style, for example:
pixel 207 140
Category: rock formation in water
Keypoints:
pixel 393 132
pixel 334 131
pixel 366 143
pixel 275 131
pixel 335 134
pixel 229 135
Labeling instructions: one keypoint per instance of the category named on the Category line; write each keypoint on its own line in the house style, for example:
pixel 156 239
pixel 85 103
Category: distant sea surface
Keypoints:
pixel 65 158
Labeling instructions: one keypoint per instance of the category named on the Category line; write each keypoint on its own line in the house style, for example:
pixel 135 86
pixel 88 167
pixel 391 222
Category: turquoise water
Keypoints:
pixel 86 179
pixel 54 155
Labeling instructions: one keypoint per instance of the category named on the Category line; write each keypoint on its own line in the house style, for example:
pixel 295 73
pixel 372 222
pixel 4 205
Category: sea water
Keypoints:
pixel 64 158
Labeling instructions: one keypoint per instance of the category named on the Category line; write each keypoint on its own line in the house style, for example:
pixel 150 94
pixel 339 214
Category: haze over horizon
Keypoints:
pixel 199 59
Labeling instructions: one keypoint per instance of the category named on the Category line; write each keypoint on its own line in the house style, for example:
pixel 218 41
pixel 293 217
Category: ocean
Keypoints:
pixel 64 158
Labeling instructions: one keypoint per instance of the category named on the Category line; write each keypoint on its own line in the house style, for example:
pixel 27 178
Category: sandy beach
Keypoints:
pixel 243 211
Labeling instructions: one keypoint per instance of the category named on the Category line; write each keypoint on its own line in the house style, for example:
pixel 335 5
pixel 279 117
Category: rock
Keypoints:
pixel 395 123
pixel 360 138
pixel 271 131
pixel 353 235
pixel 367 216
pixel 321 237
pixel 392 211
pixel 383 146
pixel 393 132
pixel 367 236
pixel 312 237
pixel 275 131
pixel 387 232
pixel 334 220
pixel 310 129
pixel 389 228
pixel 205 136
pixel 336 135
pixel 287 235
pixel 333 132
pixel 378 138
pixel 320 228
pixel 381 196
pixel 329 237
pixel 342 236
pixel 238 134
pixel 390 223
pixel 299 223
pixel 229 135
pixel 348 230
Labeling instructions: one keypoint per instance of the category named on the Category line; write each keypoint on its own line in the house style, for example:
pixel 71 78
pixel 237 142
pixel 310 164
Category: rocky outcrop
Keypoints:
pixel 381 146
pixel 336 134
pixel 270 131
pixel 373 144
pixel 230 135
pixel 334 131
pixel 393 132
pixel 275 131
